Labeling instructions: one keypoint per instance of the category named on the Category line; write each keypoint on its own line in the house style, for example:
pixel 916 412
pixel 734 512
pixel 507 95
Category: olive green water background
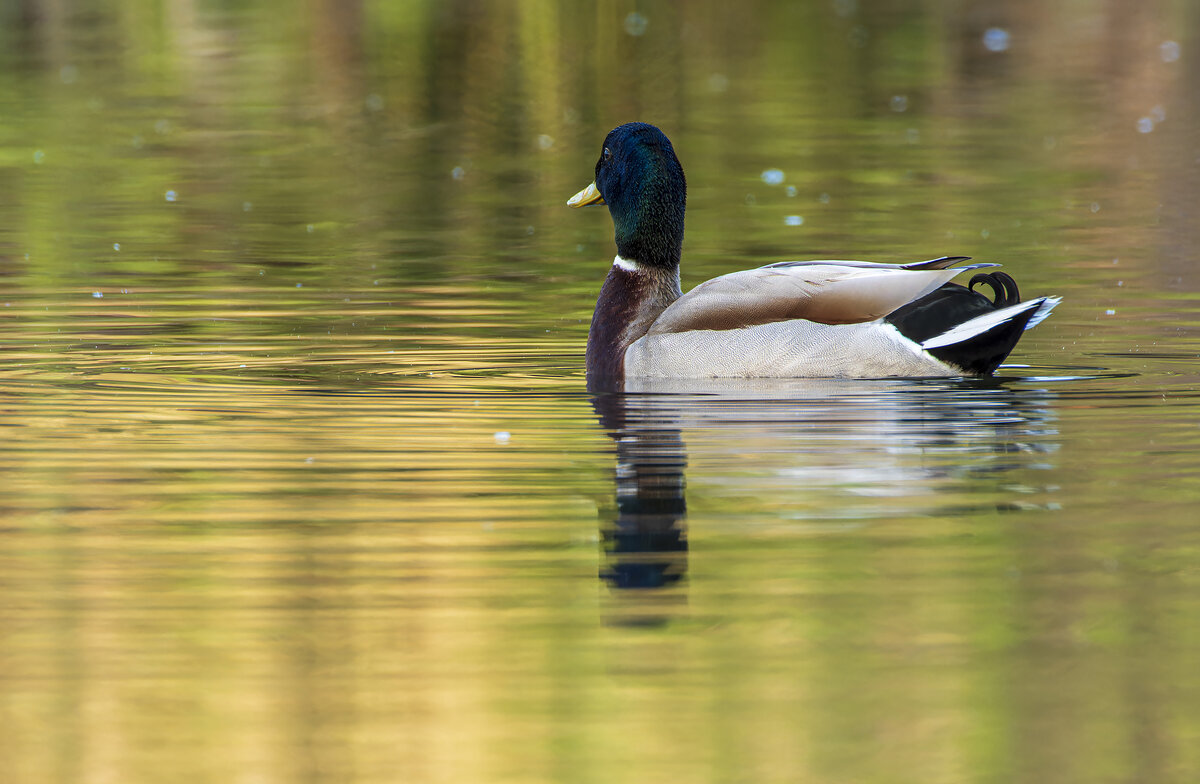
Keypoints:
pixel 299 480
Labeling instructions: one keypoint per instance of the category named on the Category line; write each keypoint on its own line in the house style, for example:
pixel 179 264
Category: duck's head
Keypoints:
pixel 641 181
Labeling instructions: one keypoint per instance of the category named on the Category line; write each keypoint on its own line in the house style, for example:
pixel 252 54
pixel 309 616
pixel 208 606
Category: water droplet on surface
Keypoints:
pixel 773 176
pixel 636 24
pixel 311 228
pixel 1095 206
pixel 170 196
pixel 458 172
pixel 247 206
pixel 1110 312
pixel 1145 125
pixel 38 156
pixel 790 191
pixel 823 198
pixel 97 294
pixel 794 220
pixel 299 285
pixel 1169 51
pixel 899 103
pixel 995 39
pixel 545 141
pixel 502 436
pixel 985 234
pixel 116 246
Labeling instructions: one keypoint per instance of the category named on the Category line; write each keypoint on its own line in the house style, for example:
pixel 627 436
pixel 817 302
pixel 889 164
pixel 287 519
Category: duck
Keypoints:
pixel 790 319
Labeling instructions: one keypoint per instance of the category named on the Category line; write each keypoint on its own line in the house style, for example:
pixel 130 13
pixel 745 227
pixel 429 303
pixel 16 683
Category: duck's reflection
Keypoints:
pixel 646 544
pixel 826 454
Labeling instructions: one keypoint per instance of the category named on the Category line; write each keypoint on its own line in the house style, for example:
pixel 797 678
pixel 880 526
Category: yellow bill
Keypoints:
pixel 588 195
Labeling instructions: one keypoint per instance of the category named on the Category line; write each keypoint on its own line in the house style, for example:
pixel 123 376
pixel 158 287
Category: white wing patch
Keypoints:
pixel 981 324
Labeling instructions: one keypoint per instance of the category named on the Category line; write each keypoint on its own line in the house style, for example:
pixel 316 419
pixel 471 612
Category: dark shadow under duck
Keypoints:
pixel 788 320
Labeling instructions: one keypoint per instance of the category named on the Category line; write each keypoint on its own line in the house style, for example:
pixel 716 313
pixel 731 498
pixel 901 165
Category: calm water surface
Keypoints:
pixel 299 480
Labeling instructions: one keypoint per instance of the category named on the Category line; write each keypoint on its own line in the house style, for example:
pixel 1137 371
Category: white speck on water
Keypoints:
pixel 299 285
pixel 162 126
pixel 309 460
pixel 1117 260
pixel 545 141
pixel 98 294
pixel 375 283
pixel 458 172
pixel 241 366
pixel 985 234
pixel 1158 113
pixel 1145 125
pixel 899 103
pixel 311 228
pixel 750 200
pixel 116 246
pixel 38 156
pixel 995 39
pixel 529 230
pixel 171 196
pixel 374 102
pixel 502 436
pixel 247 206
pixel 68 74
pixel 823 198
pixel 636 24
pixel 1110 312
pixel 773 176
pixel 790 191
pixel 579 248
pixel 912 136
pixel 136 141
pixel 718 83
pixel 794 220
pixel 1120 283
pixel 1169 51
pixel 262 272
pixel 1095 206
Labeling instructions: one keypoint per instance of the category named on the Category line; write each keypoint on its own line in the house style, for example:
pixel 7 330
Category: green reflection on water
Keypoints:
pixel 312 489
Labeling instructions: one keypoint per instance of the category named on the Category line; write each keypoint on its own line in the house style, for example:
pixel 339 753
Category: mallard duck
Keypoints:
pixel 793 319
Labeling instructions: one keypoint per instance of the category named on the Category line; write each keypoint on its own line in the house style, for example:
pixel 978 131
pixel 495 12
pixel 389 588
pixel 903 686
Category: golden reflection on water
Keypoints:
pixel 299 478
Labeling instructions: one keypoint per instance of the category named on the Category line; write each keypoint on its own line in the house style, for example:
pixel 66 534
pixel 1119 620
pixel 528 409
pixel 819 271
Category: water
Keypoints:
pixel 299 479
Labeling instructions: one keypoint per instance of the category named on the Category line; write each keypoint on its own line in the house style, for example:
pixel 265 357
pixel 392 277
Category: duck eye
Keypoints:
pixel 607 154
